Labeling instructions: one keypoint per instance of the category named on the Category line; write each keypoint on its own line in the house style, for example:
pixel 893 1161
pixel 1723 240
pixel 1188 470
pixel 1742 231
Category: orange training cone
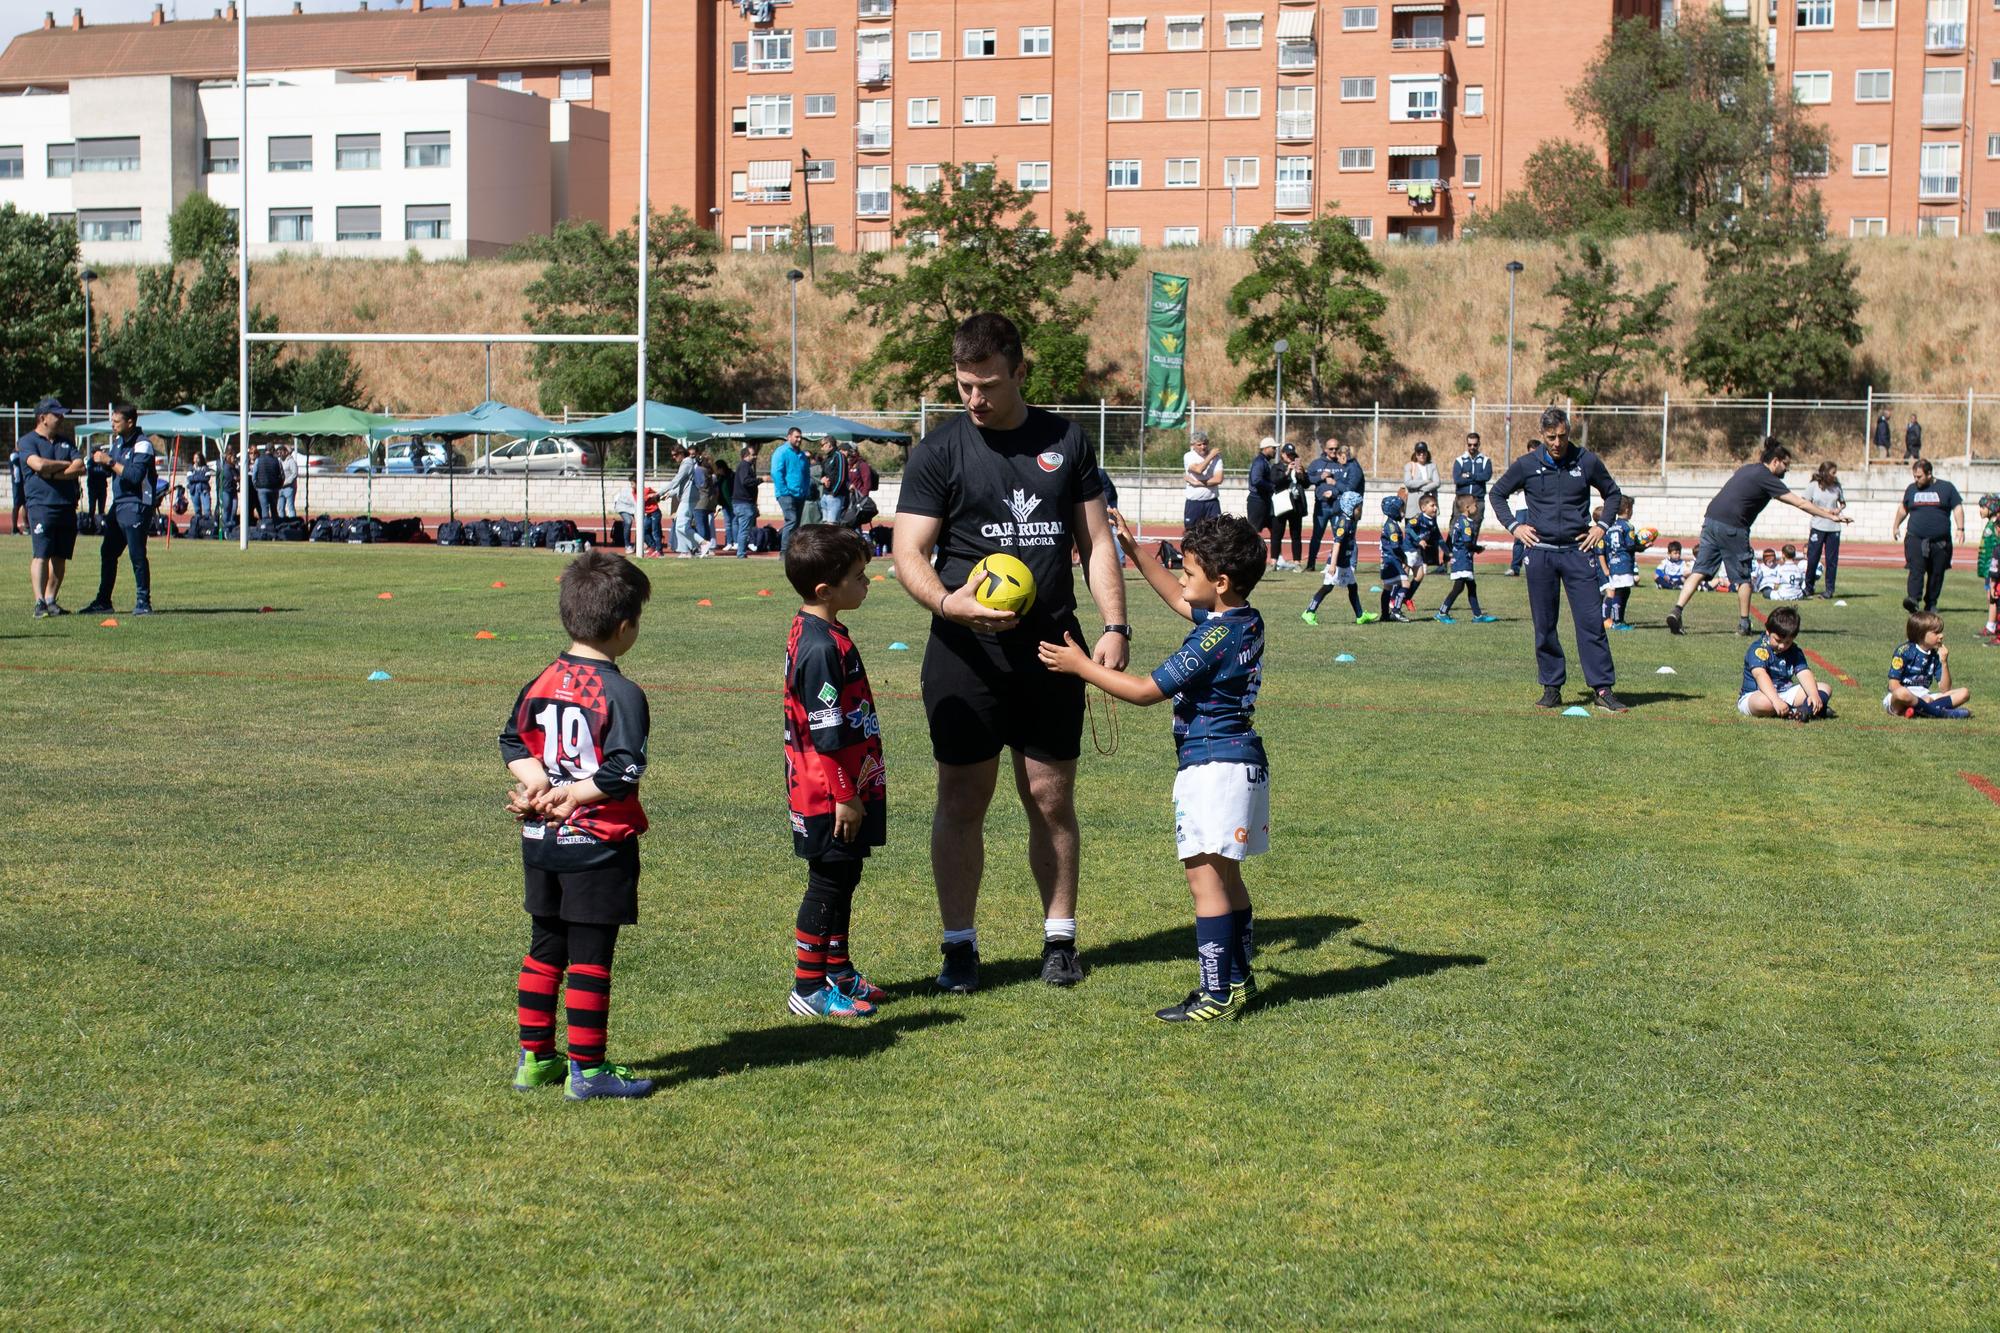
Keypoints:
pixel 704 602
pixel 485 634
pixel 384 596
pixel 498 584
pixel 107 624
pixel 763 592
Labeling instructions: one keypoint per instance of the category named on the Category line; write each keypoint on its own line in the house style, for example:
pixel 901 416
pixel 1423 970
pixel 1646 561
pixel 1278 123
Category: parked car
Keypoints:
pixel 408 458
pixel 556 456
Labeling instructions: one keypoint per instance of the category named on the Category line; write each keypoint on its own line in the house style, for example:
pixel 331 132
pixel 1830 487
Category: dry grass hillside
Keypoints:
pixel 1929 312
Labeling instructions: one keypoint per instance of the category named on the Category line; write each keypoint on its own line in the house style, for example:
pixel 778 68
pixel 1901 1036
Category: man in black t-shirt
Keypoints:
pixel 49 469
pixel 1931 506
pixel 1725 528
pixel 1005 477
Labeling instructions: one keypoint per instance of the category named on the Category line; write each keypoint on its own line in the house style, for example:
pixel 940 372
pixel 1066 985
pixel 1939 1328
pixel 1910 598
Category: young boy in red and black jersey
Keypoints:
pixel 833 767
pixel 576 742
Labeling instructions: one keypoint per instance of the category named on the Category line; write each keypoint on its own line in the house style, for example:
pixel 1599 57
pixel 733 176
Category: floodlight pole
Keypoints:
pixel 793 276
pixel 89 276
pixel 645 264
pixel 243 276
pixel 1281 347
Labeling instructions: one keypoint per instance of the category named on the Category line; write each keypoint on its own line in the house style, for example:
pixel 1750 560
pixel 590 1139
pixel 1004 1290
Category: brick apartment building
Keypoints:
pixel 1163 123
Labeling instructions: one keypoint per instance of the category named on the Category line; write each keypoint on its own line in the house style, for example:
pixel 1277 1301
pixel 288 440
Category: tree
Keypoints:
pixel 1608 337
pixel 1780 311
pixel 1692 114
pixel 699 345
pixel 1565 189
pixel 41 308
pixel 1312 287
pixel 178 342
pixel 324 378
pixel 973 244
pixel 199 225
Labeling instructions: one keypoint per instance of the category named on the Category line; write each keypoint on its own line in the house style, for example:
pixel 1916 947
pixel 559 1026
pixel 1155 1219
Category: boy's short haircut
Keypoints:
pixel 1624 506
pixel 1221 545
pixel 1783 622
pixel 986 335
pixel 1672 547
pixel 601 590
pixel 1428 497
pixel 1922 623
pixel 822 553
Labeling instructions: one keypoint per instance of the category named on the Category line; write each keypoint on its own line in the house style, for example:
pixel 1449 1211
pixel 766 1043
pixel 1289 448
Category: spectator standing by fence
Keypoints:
pixel 791 480
pixel 1913 439
pixel 743 503
pixel 1884 438
pixel 96 486
pixel 1420 474
pixel 1263 483
pixel 1201 468
pixel 225 492
pixel 1932 507
pixel 861 478
pixel 198 477
pixel 288 489
pixel 1471 474
pixel 1291 482
pixel 1823 538
pixel 268 477
pixel 836 486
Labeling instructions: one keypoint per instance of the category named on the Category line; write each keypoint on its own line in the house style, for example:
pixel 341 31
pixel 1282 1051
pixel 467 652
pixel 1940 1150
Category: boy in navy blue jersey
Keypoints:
pixel 1222 792
pixel 1462 543
pixel 1423 543
pixel 1776 680
pixel 1618 558
pixel 1920 673
pixel 1340 569
pixel 1395 572
pixel 576 743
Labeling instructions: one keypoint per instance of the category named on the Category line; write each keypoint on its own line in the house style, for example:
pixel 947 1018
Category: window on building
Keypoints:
pixel 69 219
pixel 818 170
pixel 822 39
pixel 978 110
pixel 1868 227
pixel 1122 174
pixel 1944 96
pixel 1126 106
pixel 1244 32
pixel 1364 228
pixel 921 176
pixel 357 152
pixel 771 52
pixel 739 185
pixel 12 165
pixel 871 191
pixel 1475 30
pixel 1815 14
pixel 1183 173
pixel 1873 85
pixel 108 224
pixel 1416 97
pixel 1939 170
pixel 739 55
pixel 1296 52
pixel 1183 104
pixel 1180 236
pixel 574 85
pixel 770 115
pixel 981 43
pixel 360 222
pixel 1032 177
pixel 820 104
pixel 1295 183
pixel 872 124
pixel 1121 236
pixel 1238 238
pixel 1992 220
pixel 874 9
pixel 1993 145
pixel 1128 34
pixel 925 111
pixel 291 153
pixel 1243 103
pixel 1359 18
pixel 926 45
pixel 1034 108
pixel 1295 112
pixel 1941 225
pixel 1812 86
pixel 1475 99
pixel 1037 41
pixel 218 157
pixel 1871 159
pixel 94 155
pixel 1244 172
pixel 62 158
pixel 1815 161
pixel 1471 170
pixel 427 148
pixel 290 226
pixel 1357 159
pixel 1877 13
pixel 510 81
pixel 758 240
pixel 1358 88
pixel 1944 25
pixel 1184 34
pixel 1404 169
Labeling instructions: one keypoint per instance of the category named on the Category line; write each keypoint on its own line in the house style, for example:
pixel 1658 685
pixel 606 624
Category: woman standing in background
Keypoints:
pixel 1824 538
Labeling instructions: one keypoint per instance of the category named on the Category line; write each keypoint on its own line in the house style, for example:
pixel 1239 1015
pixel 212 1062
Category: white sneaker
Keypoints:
pixel 683 555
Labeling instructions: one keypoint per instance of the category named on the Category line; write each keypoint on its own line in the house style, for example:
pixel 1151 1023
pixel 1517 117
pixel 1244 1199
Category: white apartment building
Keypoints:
pixel 338 163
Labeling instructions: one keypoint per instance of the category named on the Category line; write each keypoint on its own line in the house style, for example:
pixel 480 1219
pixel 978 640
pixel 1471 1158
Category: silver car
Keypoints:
pixel 555 456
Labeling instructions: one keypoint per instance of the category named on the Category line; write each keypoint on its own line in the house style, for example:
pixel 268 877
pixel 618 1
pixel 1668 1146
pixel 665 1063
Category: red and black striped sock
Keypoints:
pixel 535 1007
pixel 809 961
pixel 589 1011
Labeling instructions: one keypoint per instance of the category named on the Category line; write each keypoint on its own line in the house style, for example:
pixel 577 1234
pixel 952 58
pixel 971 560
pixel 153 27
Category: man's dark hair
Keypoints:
pixel 1774 449
pixel 1923 465
pixel 126 410
pixel 1223 545
pixel 822 553
pixel 1472 435
pixel 1783 622
pixel 985 335
pixel 749 451
pixel 601 590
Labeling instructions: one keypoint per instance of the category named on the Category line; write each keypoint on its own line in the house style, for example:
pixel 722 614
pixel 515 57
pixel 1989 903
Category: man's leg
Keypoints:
pixel 1048 797
pixel 788 510
pixel 1322 520
pixel 1913 565
pixel 1935 564
pixel 831 508
pixel 38 579
pixel 1579 577
pixel 1815 541
pixel 1832 559
pixel 1520 553
pixel 1544 594
pixel 958 839
pixel 1742 601
pixel 58 565
pixel 142 565
pixel 107 565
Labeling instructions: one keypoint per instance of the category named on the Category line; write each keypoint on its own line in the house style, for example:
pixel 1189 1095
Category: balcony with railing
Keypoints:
pixel 1944 110
pixel 1297 55
pixel 1938 185
pixel 1294 196
pixel 871 203
pixel 873 138
pixel 871 73
pixel 768 194
pixel 1295 125
pixel 878 9
pixel 1948 36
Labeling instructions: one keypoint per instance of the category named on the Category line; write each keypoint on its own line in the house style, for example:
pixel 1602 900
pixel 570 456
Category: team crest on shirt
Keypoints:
pixel 1763 654
pixel 1048 461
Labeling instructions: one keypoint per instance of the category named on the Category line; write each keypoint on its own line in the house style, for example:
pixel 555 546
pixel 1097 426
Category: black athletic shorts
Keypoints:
pixel 983 695
pixel 604 895
pixel 52 534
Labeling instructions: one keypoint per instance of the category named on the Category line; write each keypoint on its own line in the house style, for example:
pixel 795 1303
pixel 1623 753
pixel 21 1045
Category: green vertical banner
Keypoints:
pixel 1166 353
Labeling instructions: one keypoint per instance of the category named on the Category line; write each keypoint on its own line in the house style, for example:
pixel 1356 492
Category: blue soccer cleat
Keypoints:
pixel 605 1080
pixel 1483 619
pixel 856 987
pixel 1443 619
pixel 829 1002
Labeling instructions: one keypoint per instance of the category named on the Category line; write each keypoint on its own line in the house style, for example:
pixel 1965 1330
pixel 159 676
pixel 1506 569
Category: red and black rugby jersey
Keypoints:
pixel 582 719
pixel 833 739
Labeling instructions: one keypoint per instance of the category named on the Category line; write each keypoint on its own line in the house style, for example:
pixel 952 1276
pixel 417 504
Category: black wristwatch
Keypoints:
pixel 1126 630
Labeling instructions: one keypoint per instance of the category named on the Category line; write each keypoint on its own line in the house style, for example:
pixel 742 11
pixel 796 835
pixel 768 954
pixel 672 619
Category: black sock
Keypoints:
pixel 1317 598
pixel 1472 595
pixel 823 916
pixel 1624 600
pixel 1354 600
pixel 1444 607
pixel 1385 601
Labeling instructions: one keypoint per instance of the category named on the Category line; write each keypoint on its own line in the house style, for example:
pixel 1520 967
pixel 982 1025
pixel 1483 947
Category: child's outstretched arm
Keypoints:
pixel 1069 659
pixel 1157 577
pixel 1811 684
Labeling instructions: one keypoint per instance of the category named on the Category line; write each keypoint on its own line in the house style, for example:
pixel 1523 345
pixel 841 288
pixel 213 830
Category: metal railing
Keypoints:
pixel 1293 55
pixel 1943 110
pixel 872 138
pixel 871 71
pixel 1294 198
pixel 871 203
pixel 1938 186
pixel 1944 36
pixel 1295 124
pixel 1416 43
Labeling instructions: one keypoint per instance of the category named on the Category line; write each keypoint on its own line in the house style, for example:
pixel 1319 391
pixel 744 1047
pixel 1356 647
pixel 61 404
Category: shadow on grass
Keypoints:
pixel 225 610
pixel 1396 965
pixel 780 1047
pixel 1641 698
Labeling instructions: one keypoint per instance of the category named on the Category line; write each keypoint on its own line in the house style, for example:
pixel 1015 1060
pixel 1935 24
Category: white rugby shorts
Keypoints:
pixel 1222 810
pixel 1341 576
pixel 1794 695
pixel 1890 706
pixel 1619 581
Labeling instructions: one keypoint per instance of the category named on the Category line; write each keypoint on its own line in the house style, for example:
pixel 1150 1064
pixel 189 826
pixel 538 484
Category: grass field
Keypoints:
pixel 1662 1019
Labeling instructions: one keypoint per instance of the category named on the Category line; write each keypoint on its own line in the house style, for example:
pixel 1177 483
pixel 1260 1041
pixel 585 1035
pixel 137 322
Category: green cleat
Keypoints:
pixel 539 1072
pixel 1310 617
pixel 1198 1007
pixel 1367 617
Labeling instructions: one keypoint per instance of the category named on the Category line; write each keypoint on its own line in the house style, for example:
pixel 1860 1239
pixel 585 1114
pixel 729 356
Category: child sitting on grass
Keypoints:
pixel 576 743
pixel 1789 583
pixel 1464 542
pixel 1618 559
pixel 1672 572
pixel 1920 673
pixel 1776 680
pixel 1340 569
pixel 834 778
pixel 1222 791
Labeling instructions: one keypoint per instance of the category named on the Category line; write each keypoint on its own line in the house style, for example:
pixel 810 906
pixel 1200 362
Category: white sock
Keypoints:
pixel 970 936
pixel 1059 928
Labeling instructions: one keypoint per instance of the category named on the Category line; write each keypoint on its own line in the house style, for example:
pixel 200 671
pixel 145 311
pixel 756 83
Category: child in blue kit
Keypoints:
pixel 1618 559
pixel 1222 792
pixel 1395 572
pixel 1340 569
pixel 1920 673
pixel 1776 680
pixel 1463 543
pixel 1423 546
pixel 1671 573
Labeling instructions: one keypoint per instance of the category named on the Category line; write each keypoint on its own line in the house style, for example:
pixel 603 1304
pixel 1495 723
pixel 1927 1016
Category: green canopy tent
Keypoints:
pixel 677 423
pixel 814 426
pixel 489 418
pixel 184 422
pixel 329 421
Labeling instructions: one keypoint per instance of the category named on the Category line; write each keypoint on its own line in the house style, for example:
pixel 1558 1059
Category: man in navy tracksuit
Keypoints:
pixel 1557 481
pixel 131 463
pixel 1471 474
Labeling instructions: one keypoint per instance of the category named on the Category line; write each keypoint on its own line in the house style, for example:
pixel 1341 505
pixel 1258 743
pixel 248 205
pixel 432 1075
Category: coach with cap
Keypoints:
pixel 1263 483
pixel 49 469
pixel 1004 478
pixel 133 466
pixel 1725 528
pixel 1557 479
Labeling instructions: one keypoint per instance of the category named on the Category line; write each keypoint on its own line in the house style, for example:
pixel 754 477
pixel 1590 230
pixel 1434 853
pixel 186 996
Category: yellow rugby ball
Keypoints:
pixel 1003 583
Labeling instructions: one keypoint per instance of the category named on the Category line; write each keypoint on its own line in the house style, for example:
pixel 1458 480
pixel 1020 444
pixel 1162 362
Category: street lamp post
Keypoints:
pixel 89 276
pixel 1281 347
pixel 1514 267
pixel 715 221
pixel 794 277
pixel 1232 210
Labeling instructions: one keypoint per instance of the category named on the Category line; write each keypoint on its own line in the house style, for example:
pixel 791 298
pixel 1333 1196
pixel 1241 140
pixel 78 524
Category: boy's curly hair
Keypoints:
pixel 1223 545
